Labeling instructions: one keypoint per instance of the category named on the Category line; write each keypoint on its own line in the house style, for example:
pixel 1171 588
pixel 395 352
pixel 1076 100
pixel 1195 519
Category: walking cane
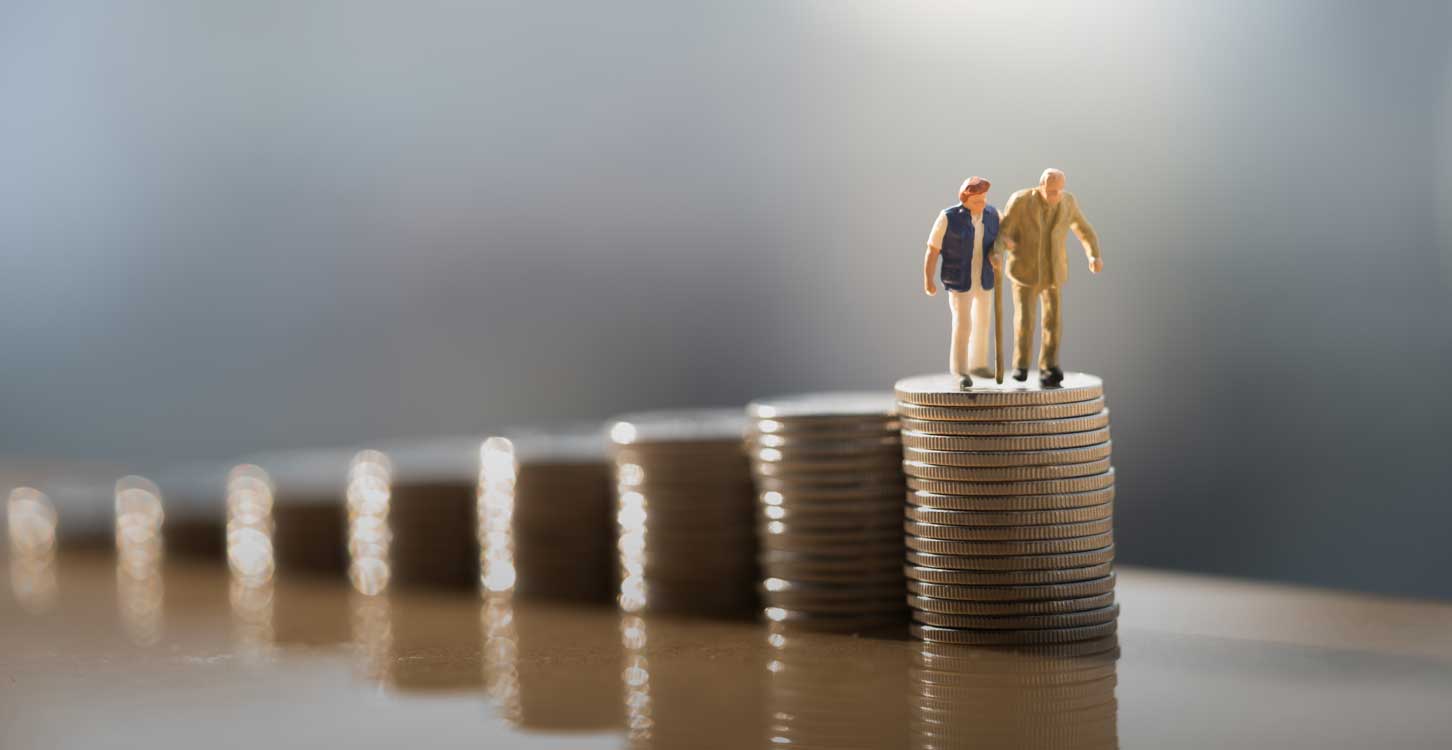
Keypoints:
pixel 998 330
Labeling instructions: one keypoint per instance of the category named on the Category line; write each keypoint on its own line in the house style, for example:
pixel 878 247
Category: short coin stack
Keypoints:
pixel 685 509
pixel 1010 511
pixel 829 487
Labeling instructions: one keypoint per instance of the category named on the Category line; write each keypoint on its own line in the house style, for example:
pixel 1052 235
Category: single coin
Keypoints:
pixel 1020 622
pixel 825 404
pixel 1009 518
pixel 1007 578
pixel 1004 473
pixel 1036 607
pixel 885 570
pixel 1002 443
pixel 773 585
pixel 942 389
pixel 876 465
pixel 777 448
pixel 1040 547
pixel 864 544
pixel 832 514
pixel 861 604
pixel 1000 413
pixel 979 593
pixel 844 526
pixel 832 622
pixel 1093 421
pixel 1010 503
pixel 677 426
pixel 1010 458
pixel 1013 637
pixel 1032 487
pixel 1010 562
pixel 1007 533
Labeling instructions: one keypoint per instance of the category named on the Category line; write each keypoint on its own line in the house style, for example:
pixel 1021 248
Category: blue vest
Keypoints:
pixel 958 248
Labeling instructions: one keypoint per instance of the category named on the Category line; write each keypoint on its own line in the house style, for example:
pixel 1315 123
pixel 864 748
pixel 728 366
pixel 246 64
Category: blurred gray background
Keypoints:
pixel 228 227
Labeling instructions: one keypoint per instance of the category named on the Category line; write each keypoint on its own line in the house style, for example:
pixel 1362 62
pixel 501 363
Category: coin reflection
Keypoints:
pixel 819 695
pixel 1053 697
pixel 31 520
pixel 372 625
pixel 139 551
pixel 549 667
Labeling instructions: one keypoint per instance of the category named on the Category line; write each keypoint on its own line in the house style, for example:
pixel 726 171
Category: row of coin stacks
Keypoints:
pixel 829 486
pixel 1010 511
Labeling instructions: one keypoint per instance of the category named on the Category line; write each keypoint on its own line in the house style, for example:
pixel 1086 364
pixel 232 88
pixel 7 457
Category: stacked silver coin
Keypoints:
pixel 685 512
pixel 1010 511
pixel 1053 696
pixel 829 487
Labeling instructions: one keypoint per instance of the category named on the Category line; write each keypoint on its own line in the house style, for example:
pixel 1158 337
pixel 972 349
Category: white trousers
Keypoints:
pixel 971 312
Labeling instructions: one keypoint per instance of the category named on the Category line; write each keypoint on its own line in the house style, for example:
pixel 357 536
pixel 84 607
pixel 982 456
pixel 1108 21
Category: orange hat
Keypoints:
pixel 976 185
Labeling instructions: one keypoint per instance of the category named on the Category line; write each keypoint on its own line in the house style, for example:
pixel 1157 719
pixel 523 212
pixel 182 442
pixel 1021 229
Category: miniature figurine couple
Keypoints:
pixel 975 243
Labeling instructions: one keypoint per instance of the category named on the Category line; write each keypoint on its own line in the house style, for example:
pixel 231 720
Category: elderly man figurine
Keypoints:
pixel 963 236
pixel 1031 239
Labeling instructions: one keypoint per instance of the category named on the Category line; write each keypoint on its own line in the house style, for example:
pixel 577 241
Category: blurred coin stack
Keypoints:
pixel 686 512
pixel 431 512
pixel 544 520
pixel 1053 696
pixel 1010 511
pixel 829 487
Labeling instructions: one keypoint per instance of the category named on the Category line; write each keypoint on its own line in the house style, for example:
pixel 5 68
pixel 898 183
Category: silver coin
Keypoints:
pixel 1010 562
pixel 824 404
pixel 1035 547
pixel 1009 458
pixel 1007 503
pixel 1007 533
pixel 998 444
pixel 1009 608
pixel 678 426
pixel 1027 427
pixel 1000 413
pixel 992 579
pixel 1013 637
pixel 1034 487
pixel 990 593
pixel 1009 518
pixel 1004 473
pixel 777 447
pixel 942 389
pixel 1020 622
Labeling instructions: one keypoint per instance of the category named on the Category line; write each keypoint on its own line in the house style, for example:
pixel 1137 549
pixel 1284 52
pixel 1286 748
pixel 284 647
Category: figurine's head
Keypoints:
pixel 974 193
pixel 1051 185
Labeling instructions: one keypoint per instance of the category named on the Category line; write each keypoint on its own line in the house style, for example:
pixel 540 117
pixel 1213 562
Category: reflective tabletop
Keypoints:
pixel 92 657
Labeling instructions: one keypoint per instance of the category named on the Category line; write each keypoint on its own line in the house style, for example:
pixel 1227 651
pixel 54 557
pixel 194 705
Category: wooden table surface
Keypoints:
pixel 188 661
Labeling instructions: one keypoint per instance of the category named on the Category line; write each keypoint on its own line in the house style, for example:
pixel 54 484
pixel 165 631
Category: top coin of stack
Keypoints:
pixel 829 487
pixel 685 512
pixel 1010 511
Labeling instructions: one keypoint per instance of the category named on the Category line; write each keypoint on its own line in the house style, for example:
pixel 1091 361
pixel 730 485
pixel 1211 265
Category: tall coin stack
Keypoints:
pixel 685 508
pixel 829 486
pixel 1010 511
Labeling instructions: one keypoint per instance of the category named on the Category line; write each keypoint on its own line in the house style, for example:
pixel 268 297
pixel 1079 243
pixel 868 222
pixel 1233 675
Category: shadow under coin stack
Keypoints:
pixel 1010 511
pixel 829 487
pixel 686 513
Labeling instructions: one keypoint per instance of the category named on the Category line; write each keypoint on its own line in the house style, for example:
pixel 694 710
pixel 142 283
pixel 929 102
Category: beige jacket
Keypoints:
pixel 1038 258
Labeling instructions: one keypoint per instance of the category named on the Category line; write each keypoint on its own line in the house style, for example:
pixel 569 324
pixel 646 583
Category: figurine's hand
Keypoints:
pixel 1096 265
pixel 929 287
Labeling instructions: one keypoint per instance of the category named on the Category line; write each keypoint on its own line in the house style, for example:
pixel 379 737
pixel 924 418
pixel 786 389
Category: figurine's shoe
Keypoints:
pixel 1020 374
pixel 965 382
pixel 1053 377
